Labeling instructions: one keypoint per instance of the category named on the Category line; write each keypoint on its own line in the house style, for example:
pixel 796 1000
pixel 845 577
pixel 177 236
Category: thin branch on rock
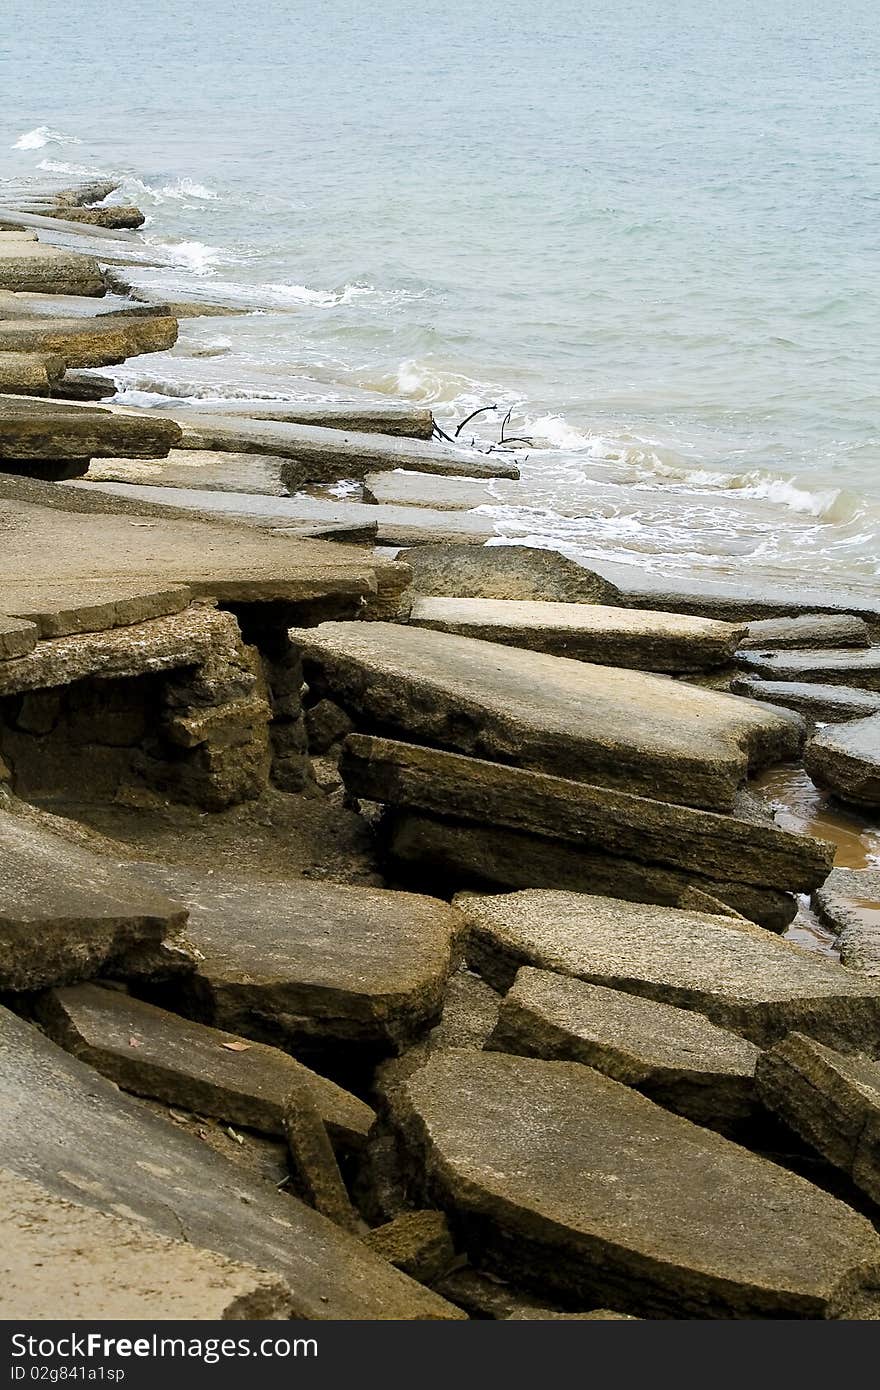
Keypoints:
pixel 473 415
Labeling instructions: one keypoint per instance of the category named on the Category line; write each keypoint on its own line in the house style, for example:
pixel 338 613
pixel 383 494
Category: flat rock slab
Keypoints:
pixel 404 489
pixel 645 734
pixel 573 1182
pixel 849 903
pixel 30 373
pixel 738 975
pixel 413 422
pixel 59 609
pixel 845 758
pixel 809 630
pixel 314 963
pixel 290 516
pixel 325 455
pixel 741 847
pixel 842 666
pixel 37 429
pixel 831 703
pixel 831 1100
pixel 66 912
pixel 63 1260
pixel 30 265
pixel 586 632
pixel 200 469
pixel 506 572
pixel 678 1058
pixel 96 342
pixel 168 1058
pixel 17 638
pixel 95 1146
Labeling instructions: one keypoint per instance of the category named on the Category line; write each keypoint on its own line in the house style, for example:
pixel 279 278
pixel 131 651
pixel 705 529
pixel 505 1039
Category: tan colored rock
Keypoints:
pixel 849 903
pixel 418 1242
pixel 314 1170
pixel 514 572
pixel 30 373
pixel 392 417
pixel 808 630
pixel 855 666
pixel 37 429
pixel 845 759
pixel 34 266
pixel 96 342
pixel 60 609
pixel 17 637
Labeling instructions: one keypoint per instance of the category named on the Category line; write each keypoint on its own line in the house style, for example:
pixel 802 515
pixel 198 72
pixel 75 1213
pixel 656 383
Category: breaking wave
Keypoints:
pixel 44 135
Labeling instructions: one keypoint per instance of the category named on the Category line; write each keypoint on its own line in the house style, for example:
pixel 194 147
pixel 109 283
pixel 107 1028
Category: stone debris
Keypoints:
pixel 96 1266
pixel 61 609
pixel 30 373
pixel 514 572
pixel 676 1057
pixel 848 902
pixel 586 632
pixel 644 734
pixel 313 1168
pixel 29 265
pixel 846 760
pixel 18 637
pixel 569 1181
pixel 153 1053
pixel 827 703
pixel 808 630
pixel 831 1100
pixel 418 1242
pixel 856 666
pixel 741 977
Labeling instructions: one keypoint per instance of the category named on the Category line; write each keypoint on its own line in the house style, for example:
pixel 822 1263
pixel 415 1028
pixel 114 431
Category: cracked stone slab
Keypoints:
pixel 740 976
pixel 94 342
pixel 845 759
pixel 831 703
pixel 856 666
pixel 646 734
pixel 506 572
pixel 60 609
pixel 810 630
pixel 849 903
pixel 100 1148
pixel 32 265
pixel 17 637
pixel 66 912
pixel 566 1179
pixel 31 428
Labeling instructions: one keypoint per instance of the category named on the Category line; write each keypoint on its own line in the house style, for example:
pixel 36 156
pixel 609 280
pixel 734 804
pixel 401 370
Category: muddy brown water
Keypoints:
pixel 800 806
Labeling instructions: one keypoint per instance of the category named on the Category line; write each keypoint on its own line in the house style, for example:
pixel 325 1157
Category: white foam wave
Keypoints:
pixel 192 256
pixel 326 299
pixel 554 431
pixel 44 135
pixel 784 492
pixel 182 190
pixel 56 166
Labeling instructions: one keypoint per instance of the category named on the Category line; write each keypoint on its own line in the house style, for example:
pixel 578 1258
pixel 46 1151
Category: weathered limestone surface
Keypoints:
pixel 506 572
pixel 652 736
pixel 98 1147
pixel 810 630
pixel 212 471
pixel 95 342
pixel 845 758
pixel 394 418
pixel 30 373
pixel 30 265
pixel 678 1058
pixel 62 1260
pixel 586 632
pixel 52 221
pixel 59 609
pixel 562 1177
pixel 738 975
pixel 831 1100
pixel 314 1171
pixel 418 1242
pixel 831 703
pixel 324 455
pixel 835 666
pixel 403 489
pixel 65 912
pixel 434 852
pixel 189 1065
pixel 111 218
pixel 739 847
pixel 314 963
pixel 17 637
pixel 849 903
pixel 31 429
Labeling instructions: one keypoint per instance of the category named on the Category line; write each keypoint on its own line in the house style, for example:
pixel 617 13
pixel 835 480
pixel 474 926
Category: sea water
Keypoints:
pixel 649 231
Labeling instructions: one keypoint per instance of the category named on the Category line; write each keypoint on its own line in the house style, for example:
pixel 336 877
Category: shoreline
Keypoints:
pixel 422 870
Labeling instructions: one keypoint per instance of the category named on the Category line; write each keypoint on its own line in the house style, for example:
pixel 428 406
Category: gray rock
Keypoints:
pixel 642 733
pixel 153 1053
pixel 565 1179
pixel 30 265
pixel 738 975
pixel 809 630
pixel 831 703
pixel 849 903
pixel 855 666
pixel 678 1058
pixel 586 632
pixel 66 912
pixel 203 469
pixel 95 1146
pixel 63 1260
pixel 314 1171
pixel 506 572
pixel 845 759
pixel 393 417
pixel 829 1099
pixel 326 724
pixel 59 609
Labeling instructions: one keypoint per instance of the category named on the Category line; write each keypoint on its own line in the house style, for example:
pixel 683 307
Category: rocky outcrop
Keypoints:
pixel 30 373
pixel 94 342
pixel 845 758
pixel 848 902
pixel 29 265
pixel 513 572
pixel 394 418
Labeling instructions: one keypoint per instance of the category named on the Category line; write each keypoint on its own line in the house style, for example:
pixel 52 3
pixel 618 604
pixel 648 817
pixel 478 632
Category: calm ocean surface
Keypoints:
pixel 651 229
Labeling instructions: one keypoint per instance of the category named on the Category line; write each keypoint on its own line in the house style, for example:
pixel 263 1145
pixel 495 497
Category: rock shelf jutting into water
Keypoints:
pixel 399 933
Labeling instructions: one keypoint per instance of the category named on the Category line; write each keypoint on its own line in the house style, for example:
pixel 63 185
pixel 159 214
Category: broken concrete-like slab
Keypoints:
pixel 809 630
pixel 30 373
pixel 211 471
pixel 568 1180
pixel 845 759
pixel 17 637
pixel 392 418
pixel 153 1053
pixel 826 703
pixel 66 913
pixel 586 632
pixel 740 976
pixel 648 735
pixel 675 1056
pixel 738 847
pixel 418 1242
pixel 506 572
pixel 831 1100
pixel 59 609
pixel 38 429
pixel 63 1260
pixel 95 1146
pixel 314 1171
pixel 849 903
pixel 313 965
pixel 31 265
pixel 835 666
pixel 94 342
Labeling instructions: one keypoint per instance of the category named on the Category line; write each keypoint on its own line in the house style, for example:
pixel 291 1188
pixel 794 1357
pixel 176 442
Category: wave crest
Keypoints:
pixel 44 135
